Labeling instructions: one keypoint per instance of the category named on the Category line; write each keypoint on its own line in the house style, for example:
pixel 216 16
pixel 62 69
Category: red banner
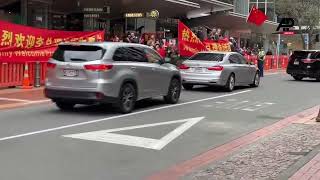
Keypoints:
pixel 189 43
pixel 23 43
pixel 217 45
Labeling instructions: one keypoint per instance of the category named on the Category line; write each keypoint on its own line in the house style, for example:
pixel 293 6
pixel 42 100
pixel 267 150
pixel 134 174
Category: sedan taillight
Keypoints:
pixel 184 67
pixel 216 68
pixel 98 67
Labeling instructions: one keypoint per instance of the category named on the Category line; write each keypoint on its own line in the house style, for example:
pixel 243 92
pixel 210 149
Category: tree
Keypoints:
pixel 306 13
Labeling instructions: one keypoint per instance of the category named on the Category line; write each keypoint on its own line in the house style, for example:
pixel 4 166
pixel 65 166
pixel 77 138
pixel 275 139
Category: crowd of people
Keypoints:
pixel 164 48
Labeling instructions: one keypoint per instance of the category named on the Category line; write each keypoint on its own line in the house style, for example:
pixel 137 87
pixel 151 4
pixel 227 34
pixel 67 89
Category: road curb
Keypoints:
pixel 218 153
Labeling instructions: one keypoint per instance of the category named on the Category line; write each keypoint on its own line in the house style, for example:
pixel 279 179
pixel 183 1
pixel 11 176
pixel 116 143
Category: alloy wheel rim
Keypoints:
pixel 175 91
pixel 231 85
pixel 127 98
pixel 257 80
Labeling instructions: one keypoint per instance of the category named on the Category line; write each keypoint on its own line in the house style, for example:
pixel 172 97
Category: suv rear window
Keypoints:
pixel 208 57
pixel 305 55
pixel 82 53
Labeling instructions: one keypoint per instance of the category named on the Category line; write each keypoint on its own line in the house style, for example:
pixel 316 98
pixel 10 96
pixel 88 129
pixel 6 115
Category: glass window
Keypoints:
pixel 131 24
pixel 208 57
pixel 242 60
pixel 70 53
pixel 234 59
pixel 129 54
pixel 121 54
pixel 152 56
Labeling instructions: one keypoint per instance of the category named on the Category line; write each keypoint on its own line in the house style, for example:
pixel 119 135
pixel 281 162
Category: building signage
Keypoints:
pixel 133 15
pixel 286 24
pixel 103 10
pixel 154 14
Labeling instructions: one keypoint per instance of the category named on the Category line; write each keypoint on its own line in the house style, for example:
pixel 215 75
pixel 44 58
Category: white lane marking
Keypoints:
pixel 24 101
pixel 207 106
pixel 219 102
pixel 236 104
pixel 120 116
pixel 13 99
pixel 258 106
pixel 249 104
pixel 38 102
pixel 109 136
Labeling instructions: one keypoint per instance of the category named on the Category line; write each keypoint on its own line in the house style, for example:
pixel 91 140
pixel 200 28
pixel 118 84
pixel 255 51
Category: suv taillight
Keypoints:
pixel 98 67
pixel 184 67
pixel 215 68
pixel 308 61
pixel 51 65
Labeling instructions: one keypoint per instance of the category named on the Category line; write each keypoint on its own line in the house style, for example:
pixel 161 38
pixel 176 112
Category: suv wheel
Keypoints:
pixel 127 98
pixel 174 92
pixel 256 81
pixel 65 106
pixel 230 83
pixel 297 78
pixel 187 86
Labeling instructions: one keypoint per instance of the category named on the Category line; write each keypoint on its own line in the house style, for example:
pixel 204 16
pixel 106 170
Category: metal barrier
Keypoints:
pixel 11 74
pixel 271 62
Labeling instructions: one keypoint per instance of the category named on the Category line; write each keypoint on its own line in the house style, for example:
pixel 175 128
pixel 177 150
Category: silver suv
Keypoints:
pixel 117 73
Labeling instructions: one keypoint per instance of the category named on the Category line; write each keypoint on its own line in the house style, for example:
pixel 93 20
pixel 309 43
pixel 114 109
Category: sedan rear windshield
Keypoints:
pixel 306 55
pixel 208 57
pixel 82 53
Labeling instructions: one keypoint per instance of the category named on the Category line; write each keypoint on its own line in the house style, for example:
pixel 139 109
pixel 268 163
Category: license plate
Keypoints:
pixel 198 69
pixel 70 73
pixel 296 63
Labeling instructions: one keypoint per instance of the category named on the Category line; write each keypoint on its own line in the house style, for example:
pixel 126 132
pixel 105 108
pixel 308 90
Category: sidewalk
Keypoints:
pixel 285 154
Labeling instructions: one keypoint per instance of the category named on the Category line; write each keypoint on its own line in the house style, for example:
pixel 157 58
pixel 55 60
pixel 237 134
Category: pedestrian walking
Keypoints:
pixel 261 58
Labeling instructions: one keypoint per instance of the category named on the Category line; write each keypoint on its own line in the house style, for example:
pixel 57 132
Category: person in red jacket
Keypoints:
pixel 160 50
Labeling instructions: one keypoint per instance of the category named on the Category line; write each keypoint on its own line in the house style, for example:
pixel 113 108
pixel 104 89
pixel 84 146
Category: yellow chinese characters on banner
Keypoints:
pixel 24 43
pixel 217 46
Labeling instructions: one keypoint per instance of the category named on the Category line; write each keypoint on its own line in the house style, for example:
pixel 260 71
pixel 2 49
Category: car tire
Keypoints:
pixel 230 83
pixel 127 98
pixel 174 91
pixel 65 106
pixel 256 80
pixel 297 78
pixel 187 86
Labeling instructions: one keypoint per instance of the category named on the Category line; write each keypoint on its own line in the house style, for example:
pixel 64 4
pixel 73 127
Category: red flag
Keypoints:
pixel 189 43
pixel 256 16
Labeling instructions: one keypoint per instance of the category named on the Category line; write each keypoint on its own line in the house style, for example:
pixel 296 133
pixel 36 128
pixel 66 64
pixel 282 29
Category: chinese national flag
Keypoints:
pixel 256 16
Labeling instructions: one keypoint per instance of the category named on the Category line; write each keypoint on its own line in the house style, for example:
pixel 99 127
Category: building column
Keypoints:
pixel 24 12
pixel 266 42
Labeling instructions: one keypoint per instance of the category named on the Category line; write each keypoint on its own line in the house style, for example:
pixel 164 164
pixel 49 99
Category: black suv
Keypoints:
pixel 304 64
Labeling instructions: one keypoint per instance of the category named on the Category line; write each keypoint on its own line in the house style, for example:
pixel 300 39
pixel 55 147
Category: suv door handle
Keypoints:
pixel 133 68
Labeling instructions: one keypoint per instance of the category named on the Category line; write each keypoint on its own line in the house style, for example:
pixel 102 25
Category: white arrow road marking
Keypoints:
pixel 109 136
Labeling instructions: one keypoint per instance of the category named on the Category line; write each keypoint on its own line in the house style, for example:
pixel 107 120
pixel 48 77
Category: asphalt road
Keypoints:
pixel 40 142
